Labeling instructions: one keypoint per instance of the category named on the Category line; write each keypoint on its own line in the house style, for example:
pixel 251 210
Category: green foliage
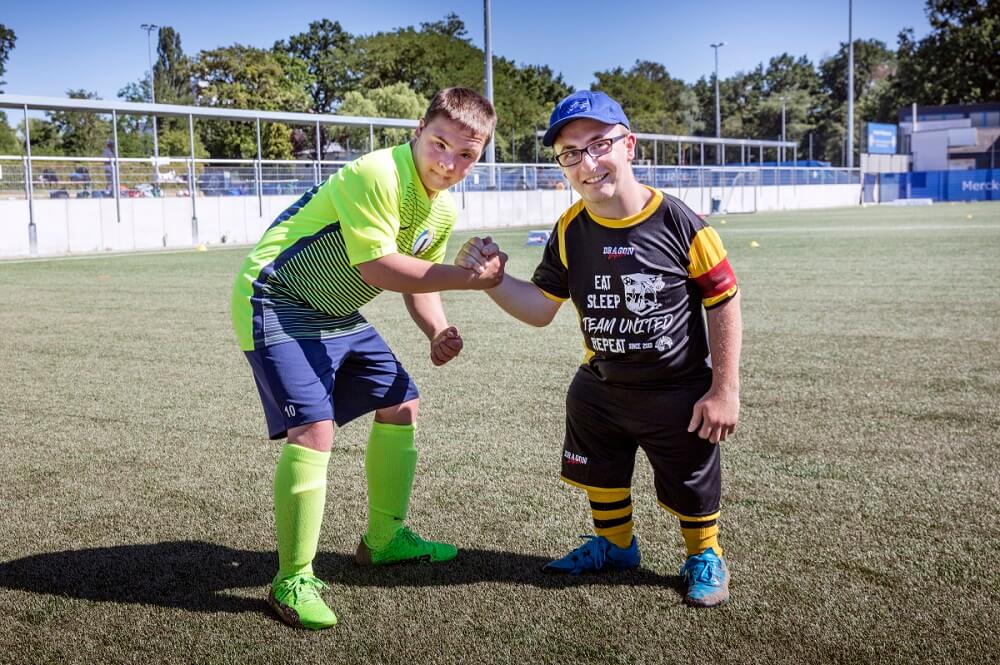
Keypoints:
pixel 328 70
pixel 958 62
pixel 172 75
pixel 325 50
pixel 172 69
pixel 7 40
pixel 524 99
pixel 873 62
pixel 46 140
pixel 393 101
pixel 654 102
pixel 9 144
pixel 175 142
pixel 244 77
pixel 83 134
pixel 440 55
pixel 427 60
pixel 874 65
pixel 70 133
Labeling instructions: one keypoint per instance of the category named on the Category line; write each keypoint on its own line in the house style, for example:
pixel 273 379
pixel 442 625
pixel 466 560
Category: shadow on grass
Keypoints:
pixel 200 576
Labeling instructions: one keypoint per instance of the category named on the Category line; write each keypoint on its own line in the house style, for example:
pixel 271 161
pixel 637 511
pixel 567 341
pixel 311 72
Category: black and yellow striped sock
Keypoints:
pixel 700 535
pixel 612 510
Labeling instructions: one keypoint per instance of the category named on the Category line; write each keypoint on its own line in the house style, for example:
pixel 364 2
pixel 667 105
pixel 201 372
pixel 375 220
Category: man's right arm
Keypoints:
pixel 406 274
pixel 522 300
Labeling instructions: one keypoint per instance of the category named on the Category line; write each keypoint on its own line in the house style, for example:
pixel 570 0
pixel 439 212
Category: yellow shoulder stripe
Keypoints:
pixel 572 213
pixel 706 252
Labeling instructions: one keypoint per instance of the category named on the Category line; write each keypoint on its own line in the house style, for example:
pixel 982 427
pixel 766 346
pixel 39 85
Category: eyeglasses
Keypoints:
pixel 595 149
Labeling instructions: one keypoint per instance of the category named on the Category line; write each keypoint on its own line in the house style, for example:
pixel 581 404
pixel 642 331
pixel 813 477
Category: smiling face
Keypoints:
pixel 444 151
pixel 599 181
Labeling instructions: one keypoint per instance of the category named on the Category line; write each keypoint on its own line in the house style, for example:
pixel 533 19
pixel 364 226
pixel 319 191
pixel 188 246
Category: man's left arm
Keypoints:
pixel 718 411
pixel 427 312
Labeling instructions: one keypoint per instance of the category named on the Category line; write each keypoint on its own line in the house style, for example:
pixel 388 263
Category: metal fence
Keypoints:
pixel 95 177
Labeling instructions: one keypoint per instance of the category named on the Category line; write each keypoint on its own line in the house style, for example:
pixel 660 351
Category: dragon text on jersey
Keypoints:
pixel 422 242
pixel 613 253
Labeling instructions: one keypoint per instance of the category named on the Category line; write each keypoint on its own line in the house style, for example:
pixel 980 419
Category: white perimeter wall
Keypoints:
pixel 77 226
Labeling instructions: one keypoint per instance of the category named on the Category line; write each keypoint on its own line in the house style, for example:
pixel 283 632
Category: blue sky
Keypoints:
pixel 100 47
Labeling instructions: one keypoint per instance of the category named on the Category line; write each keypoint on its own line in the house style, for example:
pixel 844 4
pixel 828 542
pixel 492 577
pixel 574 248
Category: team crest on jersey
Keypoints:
pixel 640 292
pixel 422 242
pixel 664 343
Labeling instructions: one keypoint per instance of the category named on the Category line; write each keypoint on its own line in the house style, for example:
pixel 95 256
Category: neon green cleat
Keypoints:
pixel 297 602
pixel 405 546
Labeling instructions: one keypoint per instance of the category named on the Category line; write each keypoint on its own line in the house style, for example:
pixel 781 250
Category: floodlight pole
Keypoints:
pixel 192 184
pixel 782 129
pixel 718 113
pixel 491 155
pixel 149 27
pixel 32 227
pixel 850 84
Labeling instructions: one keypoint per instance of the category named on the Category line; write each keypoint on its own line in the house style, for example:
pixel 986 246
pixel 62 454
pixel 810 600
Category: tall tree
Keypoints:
pixel 172 69
pixel 528 94
pixel 958 62
pixel 438 55
pixel 654 101
pixel 244 77
pixel 172 76
pixel 82 133
pixel 427 59
pixel 324 48
pixel 874 62
pixel 45 138
pixel 8 140
pixel 7 39
pixel 393 101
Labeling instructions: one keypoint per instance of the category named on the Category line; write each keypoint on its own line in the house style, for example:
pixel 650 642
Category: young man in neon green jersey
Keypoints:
pixel 380 223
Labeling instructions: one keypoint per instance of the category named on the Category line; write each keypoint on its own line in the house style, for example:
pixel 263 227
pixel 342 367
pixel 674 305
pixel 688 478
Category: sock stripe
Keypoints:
pixel 611 505
pixel 698 525
pixel 607 524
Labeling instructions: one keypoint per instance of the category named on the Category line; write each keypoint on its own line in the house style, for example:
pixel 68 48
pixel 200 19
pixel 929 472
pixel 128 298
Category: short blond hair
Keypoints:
pixel 466 107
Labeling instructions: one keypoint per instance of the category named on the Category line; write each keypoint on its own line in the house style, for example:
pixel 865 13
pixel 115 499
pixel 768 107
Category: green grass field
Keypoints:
pixel 859 489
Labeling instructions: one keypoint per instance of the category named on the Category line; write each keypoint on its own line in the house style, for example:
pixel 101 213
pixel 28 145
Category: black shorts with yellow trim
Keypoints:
pixel 606 424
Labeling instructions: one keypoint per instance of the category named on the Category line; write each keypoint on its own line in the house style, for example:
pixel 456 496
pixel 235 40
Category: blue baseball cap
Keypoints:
pixel 583 104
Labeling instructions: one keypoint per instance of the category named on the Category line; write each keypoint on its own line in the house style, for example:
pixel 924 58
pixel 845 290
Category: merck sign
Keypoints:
pixel 973 186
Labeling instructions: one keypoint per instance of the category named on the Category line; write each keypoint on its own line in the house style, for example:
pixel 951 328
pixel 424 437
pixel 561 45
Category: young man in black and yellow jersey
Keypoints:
pixel 639 267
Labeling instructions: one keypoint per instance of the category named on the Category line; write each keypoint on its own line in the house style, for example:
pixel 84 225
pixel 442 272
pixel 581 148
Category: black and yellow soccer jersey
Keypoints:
pixel 638 285
pixel 301 280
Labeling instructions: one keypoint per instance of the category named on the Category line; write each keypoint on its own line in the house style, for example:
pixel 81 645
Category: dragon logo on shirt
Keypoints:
pixel 423 242
pixel 640 292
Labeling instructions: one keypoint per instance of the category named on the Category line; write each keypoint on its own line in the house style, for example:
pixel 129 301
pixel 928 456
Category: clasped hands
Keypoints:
pixel 484 259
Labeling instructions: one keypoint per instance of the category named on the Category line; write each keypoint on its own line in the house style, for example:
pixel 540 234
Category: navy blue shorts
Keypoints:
pixel 305 381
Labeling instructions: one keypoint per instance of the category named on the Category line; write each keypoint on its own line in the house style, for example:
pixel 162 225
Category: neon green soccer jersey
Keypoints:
pixel 301 280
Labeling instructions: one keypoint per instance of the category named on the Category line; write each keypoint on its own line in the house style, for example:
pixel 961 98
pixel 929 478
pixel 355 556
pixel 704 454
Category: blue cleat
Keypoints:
pixel 596 554
pixel 707 579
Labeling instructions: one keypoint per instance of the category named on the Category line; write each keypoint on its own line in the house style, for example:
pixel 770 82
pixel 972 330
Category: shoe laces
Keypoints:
pixel 301 588
pixel 409 536
pixel 703 570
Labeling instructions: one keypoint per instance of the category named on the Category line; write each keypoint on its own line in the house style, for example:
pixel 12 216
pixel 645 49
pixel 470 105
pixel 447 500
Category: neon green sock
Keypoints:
pixel 299 498
pixel 390 462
